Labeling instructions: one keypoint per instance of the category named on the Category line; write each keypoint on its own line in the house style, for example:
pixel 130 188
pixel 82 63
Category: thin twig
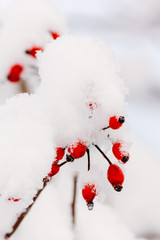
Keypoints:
pixel 73 205
pixel 61 164
pixel 88 155
pixel 23 88
pixel 105 128
pixel 23 214
pixel 103 154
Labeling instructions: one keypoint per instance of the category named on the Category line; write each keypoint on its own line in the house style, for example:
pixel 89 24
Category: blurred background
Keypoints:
pixel 132 30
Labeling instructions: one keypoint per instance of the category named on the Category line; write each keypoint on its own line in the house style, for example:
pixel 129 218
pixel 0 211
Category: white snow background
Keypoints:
pixel 132 31
pixel 58 115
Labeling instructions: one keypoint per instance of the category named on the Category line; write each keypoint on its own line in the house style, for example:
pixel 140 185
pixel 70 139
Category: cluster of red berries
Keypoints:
pixel 77 150
pixel 16 70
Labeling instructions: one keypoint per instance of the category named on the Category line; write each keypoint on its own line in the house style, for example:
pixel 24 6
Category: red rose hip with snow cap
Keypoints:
pixel 54 170
pixel 89 193
pixel 15 73
pixel 33 51
pixel 116 122
pixel 76 150
pixel 118 152
pixel 59 153
pixel 115 177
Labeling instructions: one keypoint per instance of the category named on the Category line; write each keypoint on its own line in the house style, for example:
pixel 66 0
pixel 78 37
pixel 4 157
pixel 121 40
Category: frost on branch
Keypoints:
pixel 80 91
pixel 27 26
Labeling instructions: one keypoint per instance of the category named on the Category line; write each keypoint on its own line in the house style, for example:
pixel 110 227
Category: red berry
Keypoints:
pixel 14 199
pixel 121 155
pixel 15 72
pixel 55 35
pixel 116 122
pixel 77 150
pixel 54 170
pixel 115 177
pixel 59 153
pixel 33 51
pixel 89 193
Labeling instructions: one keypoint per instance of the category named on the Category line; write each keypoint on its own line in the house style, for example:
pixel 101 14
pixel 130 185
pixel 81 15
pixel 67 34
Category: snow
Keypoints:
pixel 54 221
pixel 131 28
pixel 78 85
pixel 140 195
pixel 26 139
pixel 17 36
pixel 58 114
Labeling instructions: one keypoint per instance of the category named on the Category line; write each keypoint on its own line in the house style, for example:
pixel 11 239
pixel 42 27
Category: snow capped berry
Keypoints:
pixel 116 122
pixel 54 170
pixel 89 193
pixel 59 153
pixel 15 73
pixel 121 155
pixel 55 35
pixel 115 177
pixel 33 51
pixel 77 150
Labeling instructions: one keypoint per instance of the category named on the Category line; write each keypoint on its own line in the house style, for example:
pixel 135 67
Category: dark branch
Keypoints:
pixel 23 214
pixel 88 155
pixel 105 128
pixel 73 205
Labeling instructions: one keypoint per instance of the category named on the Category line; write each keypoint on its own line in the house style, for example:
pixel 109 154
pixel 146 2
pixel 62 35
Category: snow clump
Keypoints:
pixel 80 89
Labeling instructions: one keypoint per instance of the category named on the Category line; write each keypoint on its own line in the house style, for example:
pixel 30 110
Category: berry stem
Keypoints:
pixel 61 164
pixel 105 128
pixel 74 200
pixel 89 162
pixel 102 153
pixel 23 88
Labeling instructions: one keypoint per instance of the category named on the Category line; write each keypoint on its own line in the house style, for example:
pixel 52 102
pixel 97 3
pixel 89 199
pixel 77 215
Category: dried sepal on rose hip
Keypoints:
pixel 116 122
pixel 119 153
pixel 15 72
pixel 115 176
pixel 32 52
pixel 89 193
pixel 76 150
